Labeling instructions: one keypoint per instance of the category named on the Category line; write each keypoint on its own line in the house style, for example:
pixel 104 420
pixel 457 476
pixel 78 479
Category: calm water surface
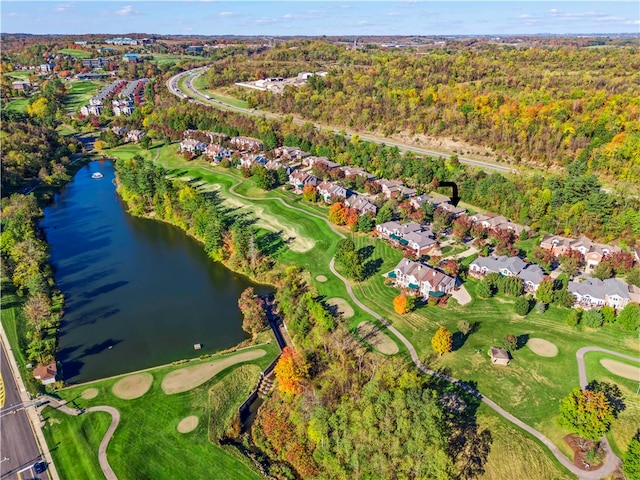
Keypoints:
pixel 138 292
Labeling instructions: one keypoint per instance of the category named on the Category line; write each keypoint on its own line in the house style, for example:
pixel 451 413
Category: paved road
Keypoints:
pixel 201 99
pixel 17 441
pixel 102 450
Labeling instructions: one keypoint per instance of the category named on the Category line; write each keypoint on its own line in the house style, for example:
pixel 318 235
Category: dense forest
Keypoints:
pixel 570 204
pixel 546 106
pixel 341 411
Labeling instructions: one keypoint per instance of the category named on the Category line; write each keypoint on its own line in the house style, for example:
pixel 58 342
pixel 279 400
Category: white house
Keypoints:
pixel 593 292
pixel 421 278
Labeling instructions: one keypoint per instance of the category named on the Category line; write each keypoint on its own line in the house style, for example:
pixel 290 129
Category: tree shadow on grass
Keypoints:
pixel 458 340
pixel 522 340
pixel 365 252
pixel 372 267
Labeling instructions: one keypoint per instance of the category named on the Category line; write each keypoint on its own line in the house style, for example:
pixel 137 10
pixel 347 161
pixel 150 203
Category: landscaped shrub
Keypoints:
pixel 522 306
pixel 609 314
pixel 485 290
pixel 592 318
pixel 573 318
pixel 541 307
pixel 629 317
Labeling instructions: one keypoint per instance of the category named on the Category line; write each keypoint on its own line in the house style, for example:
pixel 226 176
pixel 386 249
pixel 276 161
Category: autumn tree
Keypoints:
pixel 338 213
pixel 442 341
pixel 510 342
pixel 310 194
pixel 587 413
pixel 403 303
pixel 290 371
pixel 252 308
pixel 464 327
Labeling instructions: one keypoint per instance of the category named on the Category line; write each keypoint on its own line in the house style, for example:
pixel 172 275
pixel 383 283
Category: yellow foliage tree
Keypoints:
pixel 442 341
pixel 401 304
pixel 290 371
pixel 38 108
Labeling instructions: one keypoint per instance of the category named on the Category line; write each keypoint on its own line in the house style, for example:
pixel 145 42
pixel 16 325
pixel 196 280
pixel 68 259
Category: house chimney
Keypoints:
pixel 420 267
pixel 434 273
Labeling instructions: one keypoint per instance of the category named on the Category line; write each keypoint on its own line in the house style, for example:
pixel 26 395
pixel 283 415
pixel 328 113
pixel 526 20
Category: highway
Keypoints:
pixel 202 99
pixel 18 447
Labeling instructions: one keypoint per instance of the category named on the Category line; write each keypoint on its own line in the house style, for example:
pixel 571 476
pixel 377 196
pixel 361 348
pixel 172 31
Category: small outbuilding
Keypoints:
pixel 499 356
pixel 46 374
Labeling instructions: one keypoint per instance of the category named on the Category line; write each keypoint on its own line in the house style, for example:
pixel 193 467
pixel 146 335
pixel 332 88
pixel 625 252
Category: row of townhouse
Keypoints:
pixel 129 135
pixel 499 222
pixel 595 293
pixel 421 279
pixel 123 105
pixel 530 274
pixel 411 236
pixel 592 252
pixel 99 62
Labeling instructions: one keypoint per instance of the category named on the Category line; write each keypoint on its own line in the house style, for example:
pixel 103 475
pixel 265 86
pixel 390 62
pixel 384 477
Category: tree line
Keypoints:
pixel 226 236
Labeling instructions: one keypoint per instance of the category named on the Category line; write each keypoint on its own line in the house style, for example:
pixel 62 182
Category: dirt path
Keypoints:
pixel 102 449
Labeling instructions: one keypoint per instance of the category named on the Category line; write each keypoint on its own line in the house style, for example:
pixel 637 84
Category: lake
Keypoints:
pixel 138 292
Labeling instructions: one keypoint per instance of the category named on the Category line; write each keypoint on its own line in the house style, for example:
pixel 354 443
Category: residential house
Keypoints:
pixel 87 110
pixel 122 41
pixel 217 152
pixel 396 230
pixel 420 278
pixel 195 48
pixel 419 242
pixel 300 179
pixel 331 192
pixel 531 275
pixel 246 161
pixel 595 293
pixel 21 86
pixel 419 200
pixel 395 188
pixel 410 236
pixel 192 145
pixel 46 67
pixel 290 153
pixel 357 171
pixel 247 144
pixel 122 107
pixel 361 204
pixel 454 212
pixel 593 252
pixel 498 222
pixel 499 356
pixel 46 374
pixel 120 131
pixel 276 164
pixel 135 135
pixel 314 161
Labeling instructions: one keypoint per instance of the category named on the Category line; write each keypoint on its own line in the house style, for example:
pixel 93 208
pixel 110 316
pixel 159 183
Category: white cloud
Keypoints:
pixel 363 22
pixel 62 8
pixel 126 10
pixel 392 14
pixel 525 15
pixel 16 14
pixel 288 15
pixel 226 14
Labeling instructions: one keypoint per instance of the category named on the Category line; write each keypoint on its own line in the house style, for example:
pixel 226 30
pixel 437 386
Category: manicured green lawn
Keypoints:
pixel 165 58
pixel 530 387
pixel 79 93
pixel 74 53
pixel 18 105
pixel 146 444
pixel 21 74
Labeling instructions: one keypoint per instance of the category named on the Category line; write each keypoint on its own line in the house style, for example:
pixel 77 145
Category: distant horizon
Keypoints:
pixel 323 18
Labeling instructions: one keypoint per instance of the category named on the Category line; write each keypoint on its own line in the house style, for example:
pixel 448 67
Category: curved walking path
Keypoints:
pixel 611 461
pixel 102 449
pixel 582 370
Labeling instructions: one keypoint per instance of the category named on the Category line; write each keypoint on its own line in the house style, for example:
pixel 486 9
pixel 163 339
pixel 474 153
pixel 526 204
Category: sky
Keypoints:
pixel 314 18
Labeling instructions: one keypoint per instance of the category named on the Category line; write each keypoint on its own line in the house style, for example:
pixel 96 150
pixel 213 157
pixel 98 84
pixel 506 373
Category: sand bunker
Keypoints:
pixel 187 378
pixel 90 393
pixel 133 386
pixel 188 424
pixel 542 347
pixel 342 306
pixel 321 278
pixel 377 339
pixel 623 369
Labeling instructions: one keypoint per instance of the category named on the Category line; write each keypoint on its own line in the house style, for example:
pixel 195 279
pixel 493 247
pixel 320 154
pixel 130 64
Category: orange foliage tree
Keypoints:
pixel 290 370
pixel 401 304
pixel 338 213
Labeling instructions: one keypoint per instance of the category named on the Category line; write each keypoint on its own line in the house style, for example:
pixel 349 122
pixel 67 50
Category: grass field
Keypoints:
pixel 199 84
pixel 74 53
pixel 166 58
pixel 79 93
pixel 18 105
pixel 146 444
pixel 530 387
pixel 21 74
